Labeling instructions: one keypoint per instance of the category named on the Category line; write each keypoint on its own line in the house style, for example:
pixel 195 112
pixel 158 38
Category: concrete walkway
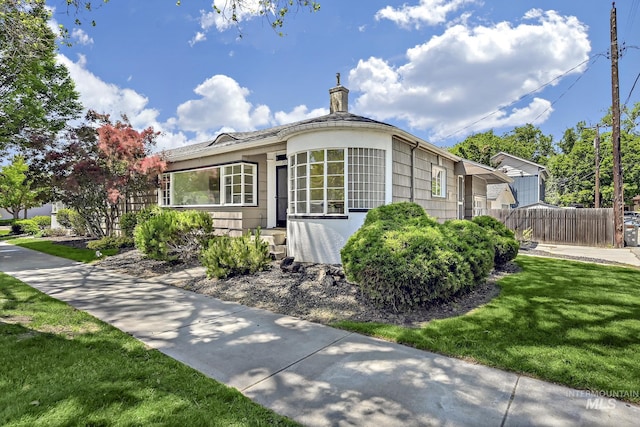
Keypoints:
pixel 315 374
pixel 628 255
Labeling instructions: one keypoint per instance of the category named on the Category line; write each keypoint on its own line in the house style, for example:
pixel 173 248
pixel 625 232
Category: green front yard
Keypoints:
pixel 49 247
pixel 567 322
pixel 61 366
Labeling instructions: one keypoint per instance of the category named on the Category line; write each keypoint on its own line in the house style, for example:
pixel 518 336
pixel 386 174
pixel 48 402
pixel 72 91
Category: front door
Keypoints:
pixel 281 196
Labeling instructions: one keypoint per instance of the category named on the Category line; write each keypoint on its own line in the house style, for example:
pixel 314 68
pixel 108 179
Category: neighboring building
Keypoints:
pixel 478 179
pixel 318 178
pixel 44 210
pixel 500 196
pixel 529 178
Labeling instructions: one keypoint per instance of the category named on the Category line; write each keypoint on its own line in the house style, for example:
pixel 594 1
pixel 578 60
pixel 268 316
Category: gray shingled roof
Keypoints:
pixel 233 138
pixel 494 190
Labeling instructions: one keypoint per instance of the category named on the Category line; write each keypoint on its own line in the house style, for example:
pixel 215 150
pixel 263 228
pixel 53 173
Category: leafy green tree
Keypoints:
pixel 37 95
pixel 573 170
pixel 527 142
pixel 16 189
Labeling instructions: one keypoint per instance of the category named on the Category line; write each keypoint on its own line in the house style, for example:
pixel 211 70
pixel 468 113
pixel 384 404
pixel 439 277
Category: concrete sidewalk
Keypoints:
pixel 627 255
pixel 315 374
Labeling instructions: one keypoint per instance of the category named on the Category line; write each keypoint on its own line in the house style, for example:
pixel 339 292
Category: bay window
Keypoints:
pixel 318 184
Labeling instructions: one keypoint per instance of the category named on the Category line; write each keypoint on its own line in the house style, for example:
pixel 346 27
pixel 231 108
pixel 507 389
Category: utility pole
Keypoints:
pixel 618 200
pixel 597 150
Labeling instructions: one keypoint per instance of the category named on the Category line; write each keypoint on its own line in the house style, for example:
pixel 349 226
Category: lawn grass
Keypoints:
pixel 5 232
pixel 567 322
pixel 61 366
pixel 51 248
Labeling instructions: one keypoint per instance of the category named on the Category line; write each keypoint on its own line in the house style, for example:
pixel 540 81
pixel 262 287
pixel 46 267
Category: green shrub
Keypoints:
pixel 69 218
pixel 111 242
pixel 233 256
pixel 396 214
pixel 402 259
pixel 63 217
pixel 25 226
pixel 43 221
pixel 129 220
pixel 171 234
pixel 475 245
pixel 504 241
pixel 50 232
pixel 491 223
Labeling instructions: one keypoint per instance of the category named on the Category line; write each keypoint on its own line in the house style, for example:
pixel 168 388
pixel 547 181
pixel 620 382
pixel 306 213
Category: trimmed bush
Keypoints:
pixel 111 242
pixel 402 259
pixel 475 245
pixel 130 220
pixel 233 256
pixel 63 217
pixel 43 221
pixel 25 226
pixel 69 218
pixel 171 235
pixel 504 241
pixel 51 232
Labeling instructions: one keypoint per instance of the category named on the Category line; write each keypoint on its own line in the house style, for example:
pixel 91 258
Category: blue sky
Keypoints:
pixel 440 69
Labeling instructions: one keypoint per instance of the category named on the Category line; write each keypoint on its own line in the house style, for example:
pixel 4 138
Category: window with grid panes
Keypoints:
pixel 316 179
pixel 366 178
pixel 233 184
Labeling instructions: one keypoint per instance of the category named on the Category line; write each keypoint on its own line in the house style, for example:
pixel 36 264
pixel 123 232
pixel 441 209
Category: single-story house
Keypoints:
pixel 528 186
pixel 318 178
pixel 500 196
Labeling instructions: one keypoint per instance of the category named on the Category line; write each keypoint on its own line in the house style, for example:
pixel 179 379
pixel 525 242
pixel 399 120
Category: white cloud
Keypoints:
pixel 222 102
pixel 300 112
pixel 199 37
pixel 81 37
pixel 465 74
pixel 221 15
pixel 430 12
pixel 95 94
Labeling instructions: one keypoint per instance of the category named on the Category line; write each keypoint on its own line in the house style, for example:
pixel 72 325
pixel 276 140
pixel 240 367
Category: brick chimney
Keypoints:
pixel 339 98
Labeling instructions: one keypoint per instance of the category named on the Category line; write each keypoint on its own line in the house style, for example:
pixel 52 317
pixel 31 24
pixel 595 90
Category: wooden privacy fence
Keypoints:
pixel 586 227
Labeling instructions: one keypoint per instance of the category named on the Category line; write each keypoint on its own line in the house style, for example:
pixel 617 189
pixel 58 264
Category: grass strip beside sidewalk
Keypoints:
pixel 61 366
pixel 52 248
pixel 572 323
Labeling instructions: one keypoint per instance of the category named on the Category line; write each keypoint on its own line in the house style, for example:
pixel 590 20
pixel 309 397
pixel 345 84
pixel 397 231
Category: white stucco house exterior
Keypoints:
pixel 318 178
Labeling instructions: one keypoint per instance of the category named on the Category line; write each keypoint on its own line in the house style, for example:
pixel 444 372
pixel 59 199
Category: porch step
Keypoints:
pixel 278 235
pixel 276 239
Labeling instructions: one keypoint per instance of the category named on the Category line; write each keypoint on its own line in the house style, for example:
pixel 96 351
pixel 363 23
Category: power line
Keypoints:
pixel 631 91
pixel 594 57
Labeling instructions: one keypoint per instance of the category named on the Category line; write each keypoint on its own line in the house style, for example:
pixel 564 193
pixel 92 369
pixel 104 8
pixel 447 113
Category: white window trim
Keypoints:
pixel 435 171
pixel 293 188
pixel 223 201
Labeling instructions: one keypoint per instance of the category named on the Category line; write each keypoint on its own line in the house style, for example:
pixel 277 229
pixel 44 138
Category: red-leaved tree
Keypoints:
pixel 101 169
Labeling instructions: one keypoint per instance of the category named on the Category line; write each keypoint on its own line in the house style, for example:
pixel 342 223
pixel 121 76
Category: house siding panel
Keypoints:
pixel 525 190
pixel 441 208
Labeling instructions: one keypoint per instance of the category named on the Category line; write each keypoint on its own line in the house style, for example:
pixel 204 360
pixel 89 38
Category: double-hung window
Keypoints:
pixel 438 181
pixel 232 184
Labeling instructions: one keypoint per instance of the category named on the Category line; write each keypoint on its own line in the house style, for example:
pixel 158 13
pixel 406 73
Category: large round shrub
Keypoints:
pixel 504 241
pixel 171 234
pixel 402 259
pixel 475 245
